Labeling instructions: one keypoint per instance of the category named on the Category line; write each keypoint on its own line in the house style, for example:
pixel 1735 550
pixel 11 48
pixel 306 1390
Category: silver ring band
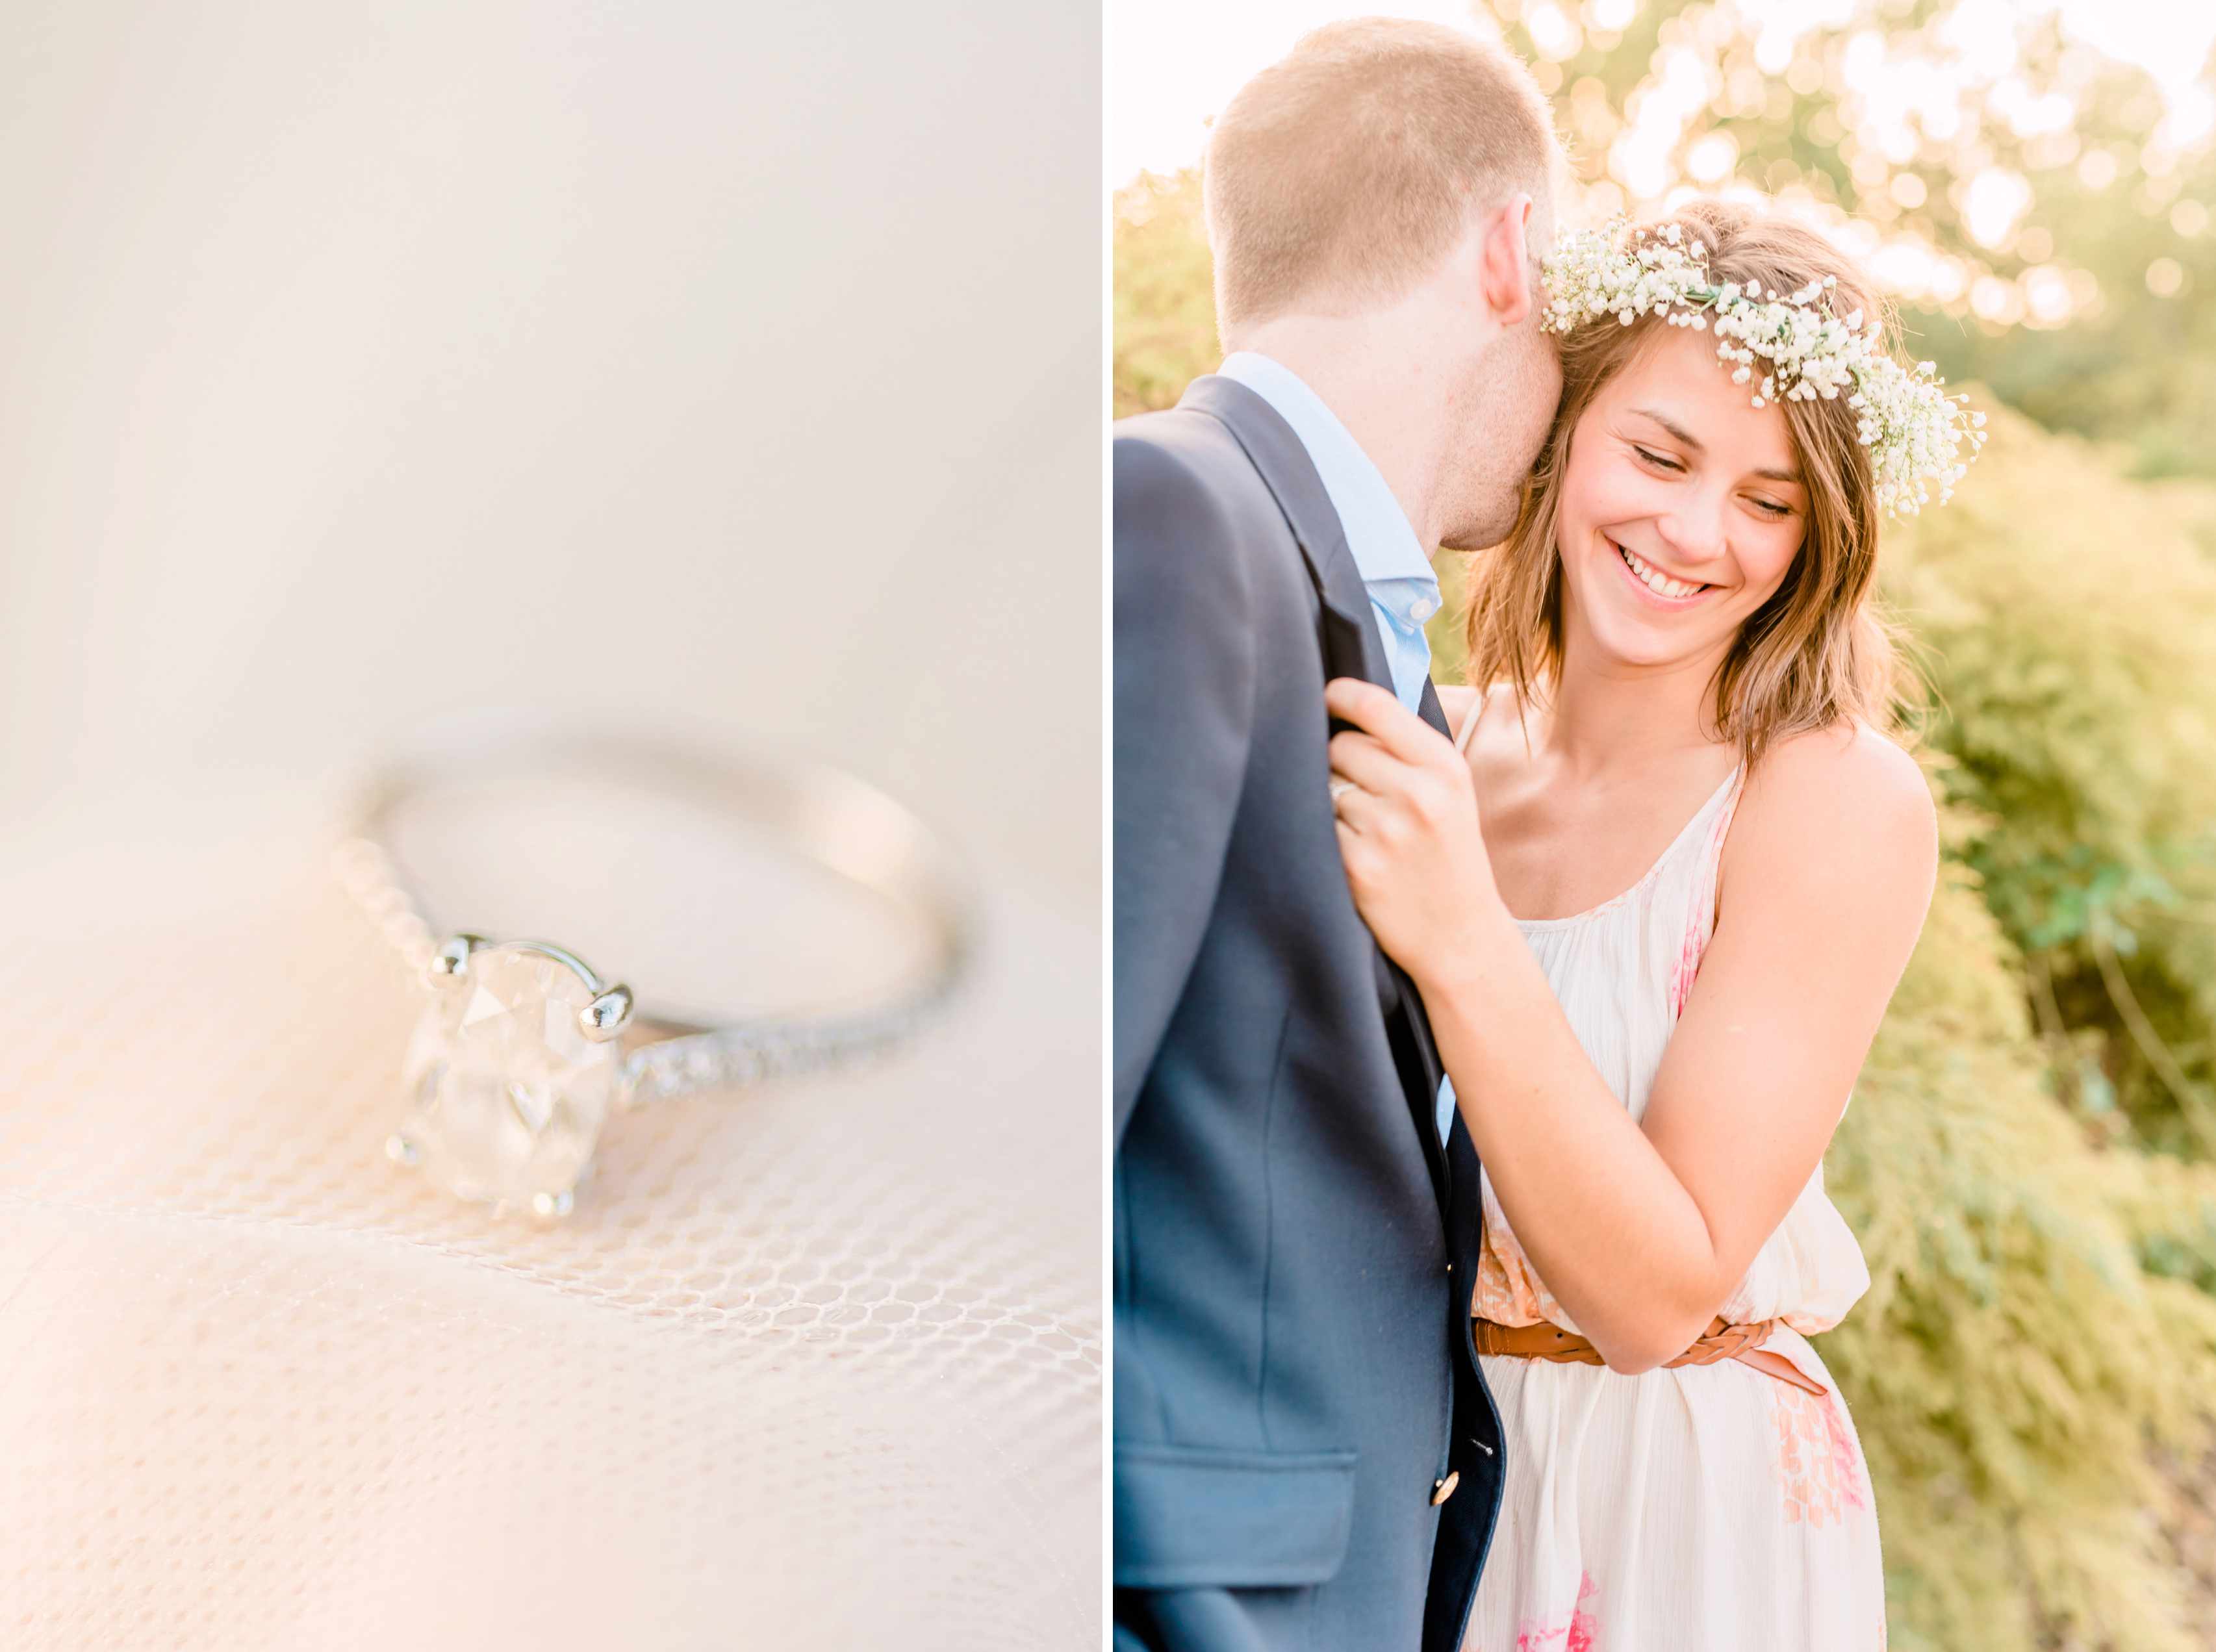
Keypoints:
pixel 667 1048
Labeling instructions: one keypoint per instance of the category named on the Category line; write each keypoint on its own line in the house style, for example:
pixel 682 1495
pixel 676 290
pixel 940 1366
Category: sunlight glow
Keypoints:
pixel 1172 63
pixel 1552 31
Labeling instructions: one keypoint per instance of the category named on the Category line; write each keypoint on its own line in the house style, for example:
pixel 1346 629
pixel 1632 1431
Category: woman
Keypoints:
pixel 1655 897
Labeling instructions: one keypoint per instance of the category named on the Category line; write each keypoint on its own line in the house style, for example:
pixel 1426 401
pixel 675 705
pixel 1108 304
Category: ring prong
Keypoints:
pixel 401 1150
pixel 553 1206
pixel 452 956
pixel 606 1016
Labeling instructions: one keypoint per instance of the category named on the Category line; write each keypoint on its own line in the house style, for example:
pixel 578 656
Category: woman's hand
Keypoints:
pixel 1408 830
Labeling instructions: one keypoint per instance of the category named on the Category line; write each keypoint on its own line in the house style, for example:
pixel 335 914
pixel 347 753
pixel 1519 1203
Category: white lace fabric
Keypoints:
pixel 816 1364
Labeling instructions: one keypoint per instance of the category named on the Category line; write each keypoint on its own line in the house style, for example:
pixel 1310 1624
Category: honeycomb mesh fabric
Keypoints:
pixel 814 1365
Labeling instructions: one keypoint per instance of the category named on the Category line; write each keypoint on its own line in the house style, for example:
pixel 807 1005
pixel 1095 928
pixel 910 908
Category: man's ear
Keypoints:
pixel 1504 261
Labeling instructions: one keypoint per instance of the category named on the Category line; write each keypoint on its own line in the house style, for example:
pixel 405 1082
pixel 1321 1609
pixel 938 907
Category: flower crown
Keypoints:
pixel 1913 429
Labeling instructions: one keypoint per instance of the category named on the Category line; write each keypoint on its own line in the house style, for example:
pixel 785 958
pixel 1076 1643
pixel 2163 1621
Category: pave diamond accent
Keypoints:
pixel 507 1095
pixel 762 1052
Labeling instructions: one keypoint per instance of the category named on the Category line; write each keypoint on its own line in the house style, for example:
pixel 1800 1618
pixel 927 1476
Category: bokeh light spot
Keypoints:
pixel 1995 198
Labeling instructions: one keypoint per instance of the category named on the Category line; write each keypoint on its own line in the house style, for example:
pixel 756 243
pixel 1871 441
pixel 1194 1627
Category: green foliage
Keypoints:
pixel 2038 1325
pixel 2014 1353
pixel 1165 304
pixel 2068 621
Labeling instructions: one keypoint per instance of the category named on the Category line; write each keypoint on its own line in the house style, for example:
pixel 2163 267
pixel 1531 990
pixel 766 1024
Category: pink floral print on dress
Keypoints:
pixel 1686 971
pixel 1700 919
pixel 1503 1297
pixel 1819 1472
pixel 1578 1632
pixel 1508 1291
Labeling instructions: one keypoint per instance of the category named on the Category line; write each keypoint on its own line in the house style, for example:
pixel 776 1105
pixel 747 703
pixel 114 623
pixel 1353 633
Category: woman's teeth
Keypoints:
pixel 1654 579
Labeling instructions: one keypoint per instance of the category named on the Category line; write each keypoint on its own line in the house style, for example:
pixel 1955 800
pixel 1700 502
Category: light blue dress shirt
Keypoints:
pixel 1403 591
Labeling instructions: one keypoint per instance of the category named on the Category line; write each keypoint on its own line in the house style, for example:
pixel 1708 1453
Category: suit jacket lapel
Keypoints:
pixel 1408 1029
pixel 1431 711
pixel 1352 648
pixel 1352 645
pixel 1412 1002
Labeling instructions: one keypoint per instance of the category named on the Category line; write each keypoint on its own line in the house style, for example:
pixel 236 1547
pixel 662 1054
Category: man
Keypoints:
pixel 1305 1451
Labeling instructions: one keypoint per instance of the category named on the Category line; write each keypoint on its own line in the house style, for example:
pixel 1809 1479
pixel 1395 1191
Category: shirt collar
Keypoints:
pixel 1378 535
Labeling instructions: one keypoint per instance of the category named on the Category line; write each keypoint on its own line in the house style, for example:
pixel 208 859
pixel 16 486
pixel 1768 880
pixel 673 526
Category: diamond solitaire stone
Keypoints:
pixel 507 1094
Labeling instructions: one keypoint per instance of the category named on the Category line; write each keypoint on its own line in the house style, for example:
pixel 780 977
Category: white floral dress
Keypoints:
pixel 1708 1507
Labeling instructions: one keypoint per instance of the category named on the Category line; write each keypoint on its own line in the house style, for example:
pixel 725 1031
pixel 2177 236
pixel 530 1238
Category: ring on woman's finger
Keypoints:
pixel 1340 788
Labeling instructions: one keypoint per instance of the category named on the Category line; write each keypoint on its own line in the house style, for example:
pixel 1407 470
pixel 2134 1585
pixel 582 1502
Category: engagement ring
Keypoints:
pixel 523 1049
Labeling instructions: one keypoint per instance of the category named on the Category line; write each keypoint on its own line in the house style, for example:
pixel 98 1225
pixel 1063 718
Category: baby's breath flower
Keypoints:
pixel 1913 429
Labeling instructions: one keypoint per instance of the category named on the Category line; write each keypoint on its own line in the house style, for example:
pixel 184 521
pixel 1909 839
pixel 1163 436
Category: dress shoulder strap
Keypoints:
pixel 1734 788
pixel 1718 811
pixel 1469 722
pixel 1705 887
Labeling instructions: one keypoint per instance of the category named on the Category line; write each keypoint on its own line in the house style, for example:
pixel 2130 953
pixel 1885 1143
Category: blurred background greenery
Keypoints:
pixel 2030 1157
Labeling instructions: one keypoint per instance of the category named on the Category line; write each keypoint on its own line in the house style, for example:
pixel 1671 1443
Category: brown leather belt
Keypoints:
pixel 1723 1341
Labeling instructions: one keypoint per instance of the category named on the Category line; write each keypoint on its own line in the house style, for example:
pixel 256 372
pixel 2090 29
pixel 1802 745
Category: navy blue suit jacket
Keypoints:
pixel 1294 1246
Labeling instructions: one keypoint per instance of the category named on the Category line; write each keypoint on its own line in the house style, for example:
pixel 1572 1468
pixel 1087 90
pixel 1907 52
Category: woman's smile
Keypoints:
pixel 1650 581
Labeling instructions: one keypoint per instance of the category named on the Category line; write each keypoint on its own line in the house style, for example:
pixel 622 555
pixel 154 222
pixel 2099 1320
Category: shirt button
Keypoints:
pixel 1422 609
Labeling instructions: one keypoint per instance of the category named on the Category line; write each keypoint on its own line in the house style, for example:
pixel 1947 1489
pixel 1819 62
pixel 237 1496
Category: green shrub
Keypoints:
pixel 2068 618
pixel 1165 304
pixel 2015 1354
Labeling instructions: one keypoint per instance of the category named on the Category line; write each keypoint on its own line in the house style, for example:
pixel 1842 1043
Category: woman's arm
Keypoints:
pixel 1642 1228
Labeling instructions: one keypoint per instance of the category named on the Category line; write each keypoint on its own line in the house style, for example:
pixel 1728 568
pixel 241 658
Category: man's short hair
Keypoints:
pixel 1350 165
